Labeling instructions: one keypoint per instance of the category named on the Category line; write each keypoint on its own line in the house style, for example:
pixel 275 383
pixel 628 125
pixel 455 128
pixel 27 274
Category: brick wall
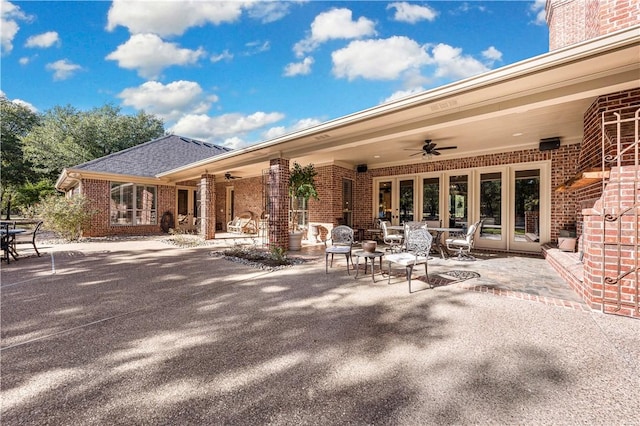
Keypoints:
pixel 98 193
pixel 247 197
pixel 573 21
pixel 611 248
pixel 563 166
pixel 591 149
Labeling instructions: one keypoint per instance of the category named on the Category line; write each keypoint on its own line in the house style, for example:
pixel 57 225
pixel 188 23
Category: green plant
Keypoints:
pixel 65 216
pixel 302 186
pixel 278 254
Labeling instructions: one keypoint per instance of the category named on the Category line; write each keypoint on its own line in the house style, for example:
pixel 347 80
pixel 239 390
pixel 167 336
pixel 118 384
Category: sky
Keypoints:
pixel 240 72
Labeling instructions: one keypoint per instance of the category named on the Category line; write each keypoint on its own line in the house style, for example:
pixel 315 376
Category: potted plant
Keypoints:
pixel 302 186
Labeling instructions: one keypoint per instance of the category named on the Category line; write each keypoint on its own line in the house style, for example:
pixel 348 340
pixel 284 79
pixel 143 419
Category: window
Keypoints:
pixel 133 204
pixel 347 202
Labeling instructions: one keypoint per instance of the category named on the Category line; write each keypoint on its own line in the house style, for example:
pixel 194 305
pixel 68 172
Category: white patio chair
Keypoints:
pixel 393 240
pixel 341 242
pixel 418 246
pixel 464 243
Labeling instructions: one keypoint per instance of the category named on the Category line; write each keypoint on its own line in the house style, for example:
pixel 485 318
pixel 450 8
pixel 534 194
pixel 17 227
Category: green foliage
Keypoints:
pixel 67 137
pixel 302 186
pixel 31 194
pixel 16 121
pixel 66 216
pixel 278 254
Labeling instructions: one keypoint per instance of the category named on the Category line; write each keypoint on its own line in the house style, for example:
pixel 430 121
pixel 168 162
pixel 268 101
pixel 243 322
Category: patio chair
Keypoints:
pixel 242 224
pixel 340 242
pixel 28 237
pixel 418 246
pixel 393 240
pixel 464 243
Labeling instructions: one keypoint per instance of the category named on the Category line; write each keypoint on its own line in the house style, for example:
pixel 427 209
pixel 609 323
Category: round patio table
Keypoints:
pixel 368 255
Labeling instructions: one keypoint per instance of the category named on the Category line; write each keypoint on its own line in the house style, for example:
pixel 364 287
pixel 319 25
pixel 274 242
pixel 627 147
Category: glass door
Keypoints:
pixel 187 203
pixel 492 208
pixel 458 201
pixel 395 199
pixel 525 209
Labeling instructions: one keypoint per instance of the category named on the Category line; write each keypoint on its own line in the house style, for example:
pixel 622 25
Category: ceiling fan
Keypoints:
pixel 229 176
pixel 429 148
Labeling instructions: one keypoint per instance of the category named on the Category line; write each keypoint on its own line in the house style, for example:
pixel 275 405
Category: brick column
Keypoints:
pixel 279 203
pixel 207 206
pixel 611 248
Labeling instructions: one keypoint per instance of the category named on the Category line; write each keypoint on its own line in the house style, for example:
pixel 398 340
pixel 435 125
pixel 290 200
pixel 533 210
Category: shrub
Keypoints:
pixel 66 216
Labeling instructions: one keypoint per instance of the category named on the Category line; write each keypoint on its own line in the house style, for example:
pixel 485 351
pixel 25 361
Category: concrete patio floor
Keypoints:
pixel 142 332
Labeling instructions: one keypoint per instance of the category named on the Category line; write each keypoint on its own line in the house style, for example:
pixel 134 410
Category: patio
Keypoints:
pixel 138 331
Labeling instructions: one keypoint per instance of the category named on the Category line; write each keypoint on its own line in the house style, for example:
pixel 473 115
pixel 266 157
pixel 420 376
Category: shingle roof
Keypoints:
pixel 153 157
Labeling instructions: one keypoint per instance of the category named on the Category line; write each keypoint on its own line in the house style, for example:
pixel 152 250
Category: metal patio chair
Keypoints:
pixel 418 246
pixel 340 242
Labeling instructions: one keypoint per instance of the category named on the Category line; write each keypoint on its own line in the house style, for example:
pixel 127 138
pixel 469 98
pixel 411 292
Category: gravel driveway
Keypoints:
pixel 145 333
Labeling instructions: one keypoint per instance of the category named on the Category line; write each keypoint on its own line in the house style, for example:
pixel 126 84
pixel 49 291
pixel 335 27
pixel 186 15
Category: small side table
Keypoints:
pixel 367 256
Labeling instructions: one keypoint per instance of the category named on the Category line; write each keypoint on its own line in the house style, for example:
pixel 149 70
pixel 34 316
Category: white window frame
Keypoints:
pixel 116 219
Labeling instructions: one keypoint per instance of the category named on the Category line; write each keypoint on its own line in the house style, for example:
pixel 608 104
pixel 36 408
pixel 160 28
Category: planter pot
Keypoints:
pixel 313 233
pixel 369 246
pixel 295 240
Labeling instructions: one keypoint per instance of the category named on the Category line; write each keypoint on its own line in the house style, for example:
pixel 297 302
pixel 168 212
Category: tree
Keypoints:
pixel 67 137
pixel 16 122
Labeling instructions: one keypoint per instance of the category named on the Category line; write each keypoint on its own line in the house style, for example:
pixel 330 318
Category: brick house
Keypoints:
pixel 535 149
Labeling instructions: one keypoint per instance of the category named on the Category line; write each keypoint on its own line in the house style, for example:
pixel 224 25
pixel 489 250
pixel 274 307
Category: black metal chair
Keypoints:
pixel 5 242
pixel 28 237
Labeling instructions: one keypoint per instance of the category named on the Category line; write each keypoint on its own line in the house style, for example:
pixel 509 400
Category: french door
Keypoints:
pixel 396 199
pixel 512 201
pixel 187 202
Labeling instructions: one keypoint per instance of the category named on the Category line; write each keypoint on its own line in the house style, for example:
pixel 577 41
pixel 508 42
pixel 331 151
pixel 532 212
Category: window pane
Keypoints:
pixel 527 200
pixel 491 205
pixel 384 200
pixel 431 199
pixel 121 208
pixel 347 201
pixel 406 201
pixel 458 200
pixel 146 205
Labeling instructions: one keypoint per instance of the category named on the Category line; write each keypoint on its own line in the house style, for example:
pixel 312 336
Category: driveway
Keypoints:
pixel 140 332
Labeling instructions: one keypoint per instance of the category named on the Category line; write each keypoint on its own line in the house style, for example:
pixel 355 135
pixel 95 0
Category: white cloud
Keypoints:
pixel 25 104
pixel 24 60
pixel 170 101
pixel 255 47
pixel 492 54
pixel 219 128
pixel 149 55
pixel 334 24
pixel 167 18
pixel 299 68
pixel 269 11
pixel 278 131
pixel 452 63
pixel 62 69
pixel 538 8
pixel 381 59
pixel 224 56
pixel 403 94
pixel 9 15
pixel 43 40
pixel 412 13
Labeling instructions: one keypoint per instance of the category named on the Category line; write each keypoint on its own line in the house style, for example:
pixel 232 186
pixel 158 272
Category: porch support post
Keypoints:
pixel 279 203
pixel 207 206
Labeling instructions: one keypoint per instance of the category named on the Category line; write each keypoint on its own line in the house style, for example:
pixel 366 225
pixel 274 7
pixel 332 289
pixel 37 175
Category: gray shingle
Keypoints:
pixel 153 157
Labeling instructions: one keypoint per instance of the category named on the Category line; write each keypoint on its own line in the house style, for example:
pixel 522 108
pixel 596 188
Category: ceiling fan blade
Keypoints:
pixel 409 149
pixel 417 153
pixel 434 153
pixel 448 147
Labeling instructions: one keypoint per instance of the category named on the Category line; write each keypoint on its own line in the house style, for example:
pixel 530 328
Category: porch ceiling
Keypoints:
pixel 508 109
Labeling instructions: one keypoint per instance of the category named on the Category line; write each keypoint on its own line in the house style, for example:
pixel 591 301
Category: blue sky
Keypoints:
pixel 236 73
